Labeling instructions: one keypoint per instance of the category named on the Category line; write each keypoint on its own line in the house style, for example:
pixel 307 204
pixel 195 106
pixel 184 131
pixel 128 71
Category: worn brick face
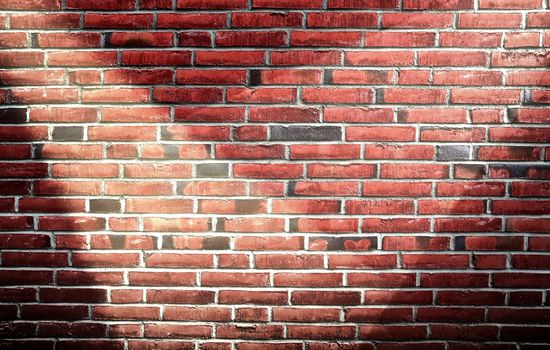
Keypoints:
pixel 274 174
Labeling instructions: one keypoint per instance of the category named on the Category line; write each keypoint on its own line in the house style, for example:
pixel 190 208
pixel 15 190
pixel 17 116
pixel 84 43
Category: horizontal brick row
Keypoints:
pixel 472 57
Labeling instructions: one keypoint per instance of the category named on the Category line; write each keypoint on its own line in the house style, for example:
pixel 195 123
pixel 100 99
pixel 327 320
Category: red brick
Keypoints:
pixel 363 4
pixel 374 133
pixel 381 261
pixel 452 58
pixel 537 20
pixel 187 95
pixel 249 225
pixel 182 313
pixel 208 77
pixel 399 39
pixel 452 135
pixel 322 332
pixel 288 4
pixel 473 189
pixel 381 280
pixel 479 78
pixel 341 171
pixel 522 40
pixel 519 134
pixel 129 95
pixel 266 331
pixel 71 223
pixel 335 95
pixel 195 39
pixel 414 171
pixel 175 225
pixel 416 243
pixel 267 171
pixel 454 280
pixel 229 58
pixel 378 58
pixel 54 312
pixel 266 19
pixel 342 20
pixel 371 207
pixel 438 5
pixel 211 5
pixel 282 261
pixel 179 296
pixel 289 76
pixel 14 59
pixel 470 39
pixel 67 40
pixel 62 114
pixel 120 21
pixel 261 95
pixel 390 332
pixel 353 76
pixel 269 243
pixel 305 314
pixel 191 21
pixel 305 57
pixel 138 205
pixel 250 39
pixel 155 58
pixel 33 77
pixel 105 259
pixel 213 188
pixel 162 278
pixel 399 189
pixel 160 330
pixel 82 59
pixel 13 40
pixel 467 224
pixel 357 115
pixel 244 206
pixel 32 5
pixel 253 297
pixel 510 4
pixel 44 95
pixel 478 96
pixel 118 133
pixel 413 77
pixel 521 59
pixel 417 20
pixel 378 315
pixel 179 260
pixel 395 225
pixel 489 20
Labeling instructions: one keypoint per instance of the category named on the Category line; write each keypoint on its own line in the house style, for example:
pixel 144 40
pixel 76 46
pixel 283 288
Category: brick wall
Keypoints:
pixel 274 174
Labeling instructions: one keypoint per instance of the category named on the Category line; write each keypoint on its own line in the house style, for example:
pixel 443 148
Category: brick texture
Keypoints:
pixel 274 174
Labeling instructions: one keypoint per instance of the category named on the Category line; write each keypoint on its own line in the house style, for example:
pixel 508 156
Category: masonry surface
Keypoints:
pixel 274 174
